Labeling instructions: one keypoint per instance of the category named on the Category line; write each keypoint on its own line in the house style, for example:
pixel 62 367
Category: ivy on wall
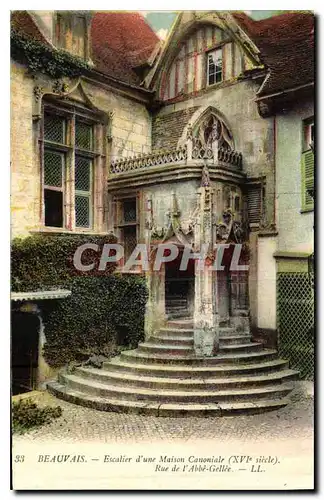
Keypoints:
pixel 104 309
pixel 44 59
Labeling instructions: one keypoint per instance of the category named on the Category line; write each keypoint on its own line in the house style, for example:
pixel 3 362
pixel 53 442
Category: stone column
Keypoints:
pixel 206 331
pixel 223 297
pixel 189 144
pixel 206 335
pixel 155 307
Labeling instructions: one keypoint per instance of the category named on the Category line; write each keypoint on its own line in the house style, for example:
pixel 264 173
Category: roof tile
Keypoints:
pixel 286 43
pixel 22 21
pixel 120 42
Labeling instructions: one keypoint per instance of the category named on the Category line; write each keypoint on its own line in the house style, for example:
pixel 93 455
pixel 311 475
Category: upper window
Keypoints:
pixel 79 36
pixel 215 66
pixel 205 57
pixel 307 166
pixel 308 132
pixel 68 170
pixel 72 33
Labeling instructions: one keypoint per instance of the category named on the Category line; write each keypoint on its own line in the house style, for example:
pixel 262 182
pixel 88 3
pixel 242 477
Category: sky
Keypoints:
pixel 162 21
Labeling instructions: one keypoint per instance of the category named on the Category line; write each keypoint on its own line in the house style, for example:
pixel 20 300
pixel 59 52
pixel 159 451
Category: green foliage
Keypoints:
pixel 103 310
pixel 45 59
pixel 27 415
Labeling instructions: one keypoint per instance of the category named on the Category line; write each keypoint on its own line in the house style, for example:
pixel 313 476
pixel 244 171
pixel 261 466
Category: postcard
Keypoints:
pixel 162 212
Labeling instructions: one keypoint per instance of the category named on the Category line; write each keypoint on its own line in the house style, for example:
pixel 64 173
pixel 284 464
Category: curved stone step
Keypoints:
pixel 185 350
pixel 179 340
pixel 235 348
pixel 185 323
pixel 188 349
pixel 186 372
pixel 163 335
pixel 235 339
pixel 178 332
pixel 175 331
pixel 164 410
pixel 94 387
pixel 191 384
pixel 188 359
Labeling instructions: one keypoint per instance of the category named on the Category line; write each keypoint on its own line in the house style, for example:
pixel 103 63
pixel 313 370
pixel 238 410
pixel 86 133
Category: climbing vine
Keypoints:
pixel 105 309
pixel 41 58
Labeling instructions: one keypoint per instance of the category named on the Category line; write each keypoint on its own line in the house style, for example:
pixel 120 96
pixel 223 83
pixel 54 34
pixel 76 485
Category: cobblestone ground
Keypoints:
pixel 79 424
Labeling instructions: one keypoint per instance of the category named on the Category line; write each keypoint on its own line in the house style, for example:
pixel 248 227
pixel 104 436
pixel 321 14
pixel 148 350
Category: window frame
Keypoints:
pixel 65 33
pixel 119 221
pixel 48 187
pixel 85 194
pixel 259 184
pixel 308 129
pixel 208 53
pixel 96 155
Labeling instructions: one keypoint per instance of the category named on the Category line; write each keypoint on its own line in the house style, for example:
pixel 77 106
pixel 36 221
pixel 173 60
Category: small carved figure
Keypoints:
pixel 38 92
pixel 189 132
pixel 205 179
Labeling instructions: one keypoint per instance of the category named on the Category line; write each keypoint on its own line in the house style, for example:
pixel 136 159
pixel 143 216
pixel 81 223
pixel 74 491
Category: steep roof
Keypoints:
pixel 120 42
pixel 286 43
pixel 22 21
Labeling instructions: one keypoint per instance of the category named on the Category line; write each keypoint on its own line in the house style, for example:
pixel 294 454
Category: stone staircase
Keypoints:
pixel 176 307
pixel 163 377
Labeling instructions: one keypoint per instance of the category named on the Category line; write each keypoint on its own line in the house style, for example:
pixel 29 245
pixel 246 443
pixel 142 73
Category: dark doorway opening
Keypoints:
pixel 24 351
pixel 179 288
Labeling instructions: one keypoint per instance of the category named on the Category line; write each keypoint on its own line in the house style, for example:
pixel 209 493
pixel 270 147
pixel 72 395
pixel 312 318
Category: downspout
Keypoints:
pixel 274 170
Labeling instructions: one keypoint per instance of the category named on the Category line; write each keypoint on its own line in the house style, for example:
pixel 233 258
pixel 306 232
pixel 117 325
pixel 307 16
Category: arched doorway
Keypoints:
pixel 179 288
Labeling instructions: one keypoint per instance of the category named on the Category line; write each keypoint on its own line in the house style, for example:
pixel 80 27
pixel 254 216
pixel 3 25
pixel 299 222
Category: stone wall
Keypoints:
pixel 296 232
pixel 130 131
pixel 161 195
pixel 25 175
pixel 131 122
pixel 266 274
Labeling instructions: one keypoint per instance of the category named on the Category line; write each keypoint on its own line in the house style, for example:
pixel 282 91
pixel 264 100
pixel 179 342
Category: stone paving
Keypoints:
pixel 79 424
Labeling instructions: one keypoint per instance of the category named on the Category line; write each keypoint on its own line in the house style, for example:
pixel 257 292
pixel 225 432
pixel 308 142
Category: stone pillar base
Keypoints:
pixel 154 318
pixel 206 341
pixel 240 321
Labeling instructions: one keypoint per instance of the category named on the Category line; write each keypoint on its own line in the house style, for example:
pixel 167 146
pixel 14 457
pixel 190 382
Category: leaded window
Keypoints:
pixel 83 191
pixel 68 162
pixel 215 66
pixel 54 162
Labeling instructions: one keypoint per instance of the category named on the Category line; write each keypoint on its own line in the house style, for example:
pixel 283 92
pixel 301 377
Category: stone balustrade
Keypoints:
pixel 190 153
pixel 148 160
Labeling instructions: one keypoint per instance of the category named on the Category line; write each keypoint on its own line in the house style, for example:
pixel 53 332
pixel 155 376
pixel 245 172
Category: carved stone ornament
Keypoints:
pixel 189 132
pixel 223 229
pixel 174 225
pixel 157 233
pixel 230 229
pixel 110 116
pixel 238 232
pixel 205 178
pixel 60 87
pixel 211 129
pixel 38 92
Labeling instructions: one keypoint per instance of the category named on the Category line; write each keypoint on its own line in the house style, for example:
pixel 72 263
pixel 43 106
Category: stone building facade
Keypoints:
pixel 160 143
